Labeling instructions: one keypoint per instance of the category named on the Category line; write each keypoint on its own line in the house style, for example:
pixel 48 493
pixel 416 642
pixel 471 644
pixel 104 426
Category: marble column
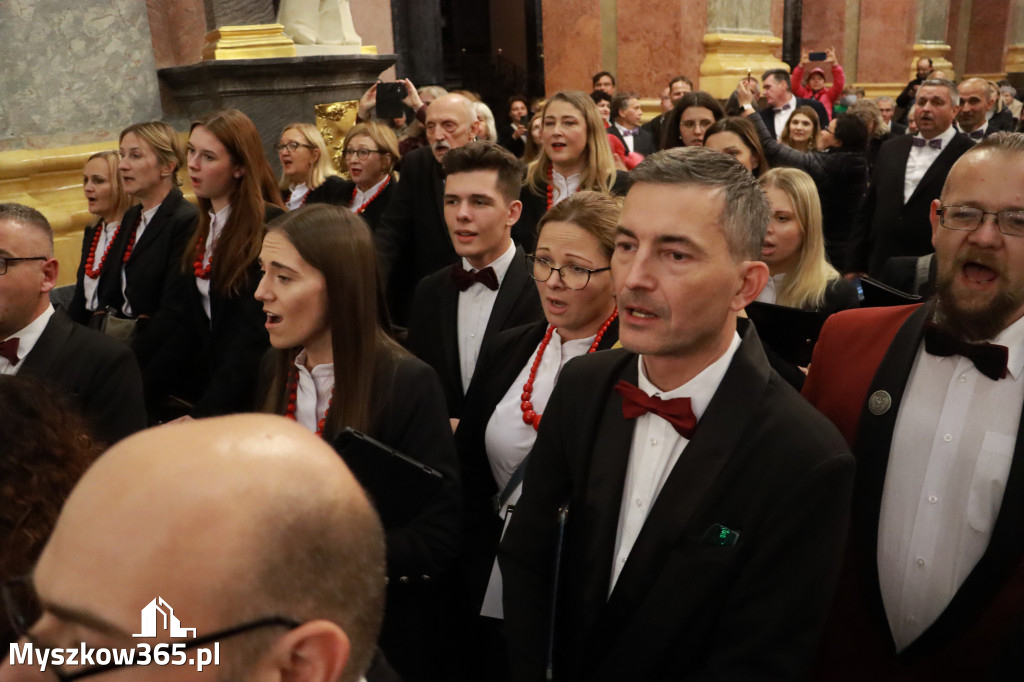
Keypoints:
pixel 930 41
pixel 739 40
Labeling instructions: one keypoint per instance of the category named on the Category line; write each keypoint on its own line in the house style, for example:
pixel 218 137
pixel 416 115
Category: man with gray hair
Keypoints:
pixel 697 536
pixel 887 107
pixel 36 340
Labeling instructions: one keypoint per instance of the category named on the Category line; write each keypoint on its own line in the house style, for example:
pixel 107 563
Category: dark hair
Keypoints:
pixel 599 75
pixel 746 131
pixel 487 156
pixel 779 75
pixel 338 243
pixel 620 102
pixel 239 243
pixel 745 213
pixel 670 136
pixel 517 98
pixel 600 96
pixel 684 79
pixel 28 216
pixel 851 131
pixel 45 447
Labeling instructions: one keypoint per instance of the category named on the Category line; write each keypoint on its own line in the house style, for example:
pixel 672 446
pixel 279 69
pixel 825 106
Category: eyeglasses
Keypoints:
pixel 361 154
pixel 969 218
pixel 24 609
pixel 291 146
pixel 4 260
pixel 574 277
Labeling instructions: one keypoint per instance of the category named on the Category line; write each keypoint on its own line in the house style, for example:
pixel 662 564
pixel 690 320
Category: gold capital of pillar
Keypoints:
pixel 937 53
pixel 258 41
pixel 1014 59
pixel 728 57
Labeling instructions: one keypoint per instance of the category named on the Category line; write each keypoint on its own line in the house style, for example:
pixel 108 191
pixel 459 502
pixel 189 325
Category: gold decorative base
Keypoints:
pixel 334 121
pixel 937 53
pixel 873 90
pixel 1014 59
pixel 260 41
pixel 728 57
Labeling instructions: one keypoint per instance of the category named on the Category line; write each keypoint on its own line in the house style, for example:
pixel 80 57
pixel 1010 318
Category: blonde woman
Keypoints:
pixel 307 175
pixel 370 154
pixel 488 131
pixel 574 155
pixel 801 130
pixel 794 247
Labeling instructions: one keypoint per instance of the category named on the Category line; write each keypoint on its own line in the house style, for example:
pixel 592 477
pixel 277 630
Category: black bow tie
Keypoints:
pixel 784 107
pixel 988 358
pixel 977 134
pixel 9 350
pixel 464 279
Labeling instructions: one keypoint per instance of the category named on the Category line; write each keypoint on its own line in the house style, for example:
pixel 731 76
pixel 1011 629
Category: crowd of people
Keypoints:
pixel 605 384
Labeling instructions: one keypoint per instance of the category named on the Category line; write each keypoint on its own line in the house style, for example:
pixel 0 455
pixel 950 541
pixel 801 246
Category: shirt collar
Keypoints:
pixel 701 388
pixel 500 264
pixel 319 372
pixel 29 335
pixel 362 196
pixel 148 215
pixel 945 136
pixel 1013 338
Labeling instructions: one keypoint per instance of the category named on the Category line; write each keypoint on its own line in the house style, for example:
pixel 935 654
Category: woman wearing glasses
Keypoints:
pixel 307 175
pixel 370 154
pixel 517 372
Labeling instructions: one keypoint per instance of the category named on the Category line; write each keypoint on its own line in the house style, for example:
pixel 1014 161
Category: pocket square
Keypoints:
pixel 720 536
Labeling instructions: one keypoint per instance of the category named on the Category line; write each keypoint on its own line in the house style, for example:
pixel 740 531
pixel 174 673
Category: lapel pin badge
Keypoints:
pixel 879 403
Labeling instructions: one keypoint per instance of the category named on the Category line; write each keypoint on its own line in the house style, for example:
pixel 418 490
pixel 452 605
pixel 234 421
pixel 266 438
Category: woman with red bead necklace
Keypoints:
pixel 307 174
pixel 237 195
pixel 517 372
pixel 334 366
pixel 575 155
pixel 370 154
pixel 107 200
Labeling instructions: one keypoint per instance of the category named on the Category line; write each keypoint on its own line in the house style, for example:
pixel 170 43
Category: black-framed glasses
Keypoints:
pixel 24 609
pixel 574 277
pixel 291 146
pixel 968 218
pixel 361 154
pixel 4 260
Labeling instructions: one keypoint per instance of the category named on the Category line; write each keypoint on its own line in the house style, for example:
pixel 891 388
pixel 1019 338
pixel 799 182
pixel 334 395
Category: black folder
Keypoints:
pixel 398 485
pixel 790 332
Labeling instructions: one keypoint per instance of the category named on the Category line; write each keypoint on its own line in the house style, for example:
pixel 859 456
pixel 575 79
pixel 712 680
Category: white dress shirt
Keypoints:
pixel 782 114
pixel 475 304
pixel 217 221
pixel 147 217
pixel 27 339
pixel 297 196
pixel 562 187
pixel 363 197
pixel 90 286
pixel 950 456
pixel 770 293
pixel 628 138
pixel 655 450
pixel 314 390
pixel 508 439
pixel 920 160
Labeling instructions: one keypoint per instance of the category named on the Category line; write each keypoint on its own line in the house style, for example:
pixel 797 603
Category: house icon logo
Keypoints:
pixel 151 619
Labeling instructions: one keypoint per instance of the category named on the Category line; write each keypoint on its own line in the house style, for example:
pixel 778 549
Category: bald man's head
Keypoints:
pixel 229 520
pixel 451 123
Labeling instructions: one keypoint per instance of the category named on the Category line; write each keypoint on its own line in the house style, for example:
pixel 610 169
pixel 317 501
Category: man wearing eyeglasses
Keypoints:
pixel 98 371
pixel 458 308
pixel 250 536
pixel 930 397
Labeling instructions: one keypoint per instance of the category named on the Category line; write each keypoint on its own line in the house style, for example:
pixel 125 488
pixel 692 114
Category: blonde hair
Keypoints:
pixel 812 142
pixel 321 169
pixel 165 142
pixel 804 286
pixel 382 136
pixel 122 200
pixel 599 167
pixel 484 111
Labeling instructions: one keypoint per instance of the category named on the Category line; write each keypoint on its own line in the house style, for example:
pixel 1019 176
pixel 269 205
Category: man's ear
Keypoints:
pixel 317 651
pixel 51 268
pixel 755 276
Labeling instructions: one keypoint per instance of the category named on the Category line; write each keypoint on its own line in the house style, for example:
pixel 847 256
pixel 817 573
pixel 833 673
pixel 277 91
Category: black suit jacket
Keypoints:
pixel 686 605
pixel 99 372
pixel 654 128
pixel 885 225
pixel 516 145
pixel 433 326
pixel 643 142
pixel 412 239
pixel 768 114
pixel 157 290
pixel 375 211
pixel 524 232
pixel 1001 122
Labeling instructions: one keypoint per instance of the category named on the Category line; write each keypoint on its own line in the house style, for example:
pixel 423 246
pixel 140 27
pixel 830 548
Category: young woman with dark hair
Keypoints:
pixel 689 120
pixel 736 137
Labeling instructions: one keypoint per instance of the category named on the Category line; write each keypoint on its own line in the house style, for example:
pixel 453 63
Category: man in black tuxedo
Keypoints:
pixel 976 101
pixel 908 175
pixel 908 96
pixel 778 93
pixel 702 539
pixel 677 87
pixel 887 107
pixel 98 371
pixel 458 308
pixel 412 239
pixel 627 113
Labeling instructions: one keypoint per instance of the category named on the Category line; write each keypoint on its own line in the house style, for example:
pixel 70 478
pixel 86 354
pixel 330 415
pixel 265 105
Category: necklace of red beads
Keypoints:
pixel 293 396
pixel 197 265
pixel 369 201
pixel 90 259
pixel 529 416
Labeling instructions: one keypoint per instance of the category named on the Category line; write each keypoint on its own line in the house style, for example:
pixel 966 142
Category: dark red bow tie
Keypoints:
pixel 676 411
pixel 989 358
pixel 464 279
pixel 9 350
